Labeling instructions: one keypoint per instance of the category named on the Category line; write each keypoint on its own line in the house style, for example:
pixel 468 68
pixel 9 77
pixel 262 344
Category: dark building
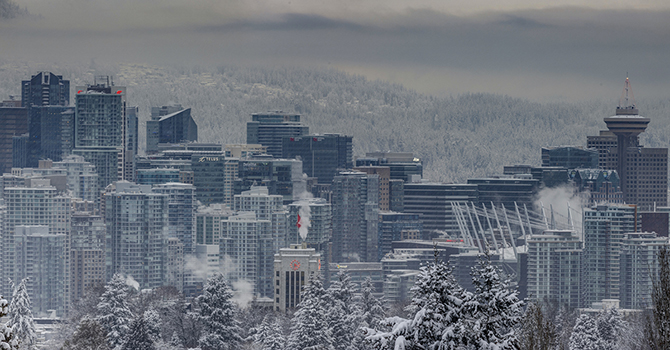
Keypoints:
pixel 278 175
pixel 403 165
pixel 570 157
pixel 322 155
pixel 355 206
pixel 173 127
pixel 601 185
pixel 506 190
pixel 208 178
pixel 46 97
pixel 397 195
pixel 433 202
pixel 549 176
pixel 14 121
pixel 643 171
pixel 655 221
pixel 384 173
pixel 268 129
pixel 19 151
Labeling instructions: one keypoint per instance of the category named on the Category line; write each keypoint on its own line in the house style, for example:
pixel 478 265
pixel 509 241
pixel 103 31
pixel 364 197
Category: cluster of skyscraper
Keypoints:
pixel 80 204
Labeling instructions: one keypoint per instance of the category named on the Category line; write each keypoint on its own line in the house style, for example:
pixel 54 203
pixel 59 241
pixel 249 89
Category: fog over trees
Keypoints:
pixel 457 137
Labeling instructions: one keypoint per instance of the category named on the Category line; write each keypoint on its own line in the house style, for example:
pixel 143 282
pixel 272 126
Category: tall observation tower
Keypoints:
pixel 627 124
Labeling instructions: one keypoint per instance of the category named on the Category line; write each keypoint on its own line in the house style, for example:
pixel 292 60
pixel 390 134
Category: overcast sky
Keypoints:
pixel 544 50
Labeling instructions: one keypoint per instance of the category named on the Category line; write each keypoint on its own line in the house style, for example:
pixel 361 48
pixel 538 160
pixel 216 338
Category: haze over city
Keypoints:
pixel 558 51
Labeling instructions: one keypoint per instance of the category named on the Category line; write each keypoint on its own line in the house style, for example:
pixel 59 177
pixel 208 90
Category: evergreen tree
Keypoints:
pixel 309 326
pixel 139 337
pixel 7 341
pixel 21 318
pixel 494 313
pixel 538 331
pixel 268 335
pixel 216 314
pixel 610 324
pixel 114 315
pixel 371 313
pixel 343 316
pixel 585 334
pixel 657 329
pixel 89 335
pixel 437 314
pixel 153 323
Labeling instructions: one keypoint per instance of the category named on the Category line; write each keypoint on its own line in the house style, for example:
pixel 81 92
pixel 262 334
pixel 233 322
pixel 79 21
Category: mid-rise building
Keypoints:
pixel 599 185
pixel 41 257
pixel 570 157
pixel 506 190
pixel 639 268
pixel 157 176
pixel 403 165
pixel 433 201
pixel 268 129
pixel 321 224
pixel 246 241
pixel 293 267
pixel 384 174
pixel 554 267
pixel 395 227
pixel 266 207
pixel 604 230
pixel 281 176
pixel 244 150
pixel 208 223
pixel 322 155
pixel 87 253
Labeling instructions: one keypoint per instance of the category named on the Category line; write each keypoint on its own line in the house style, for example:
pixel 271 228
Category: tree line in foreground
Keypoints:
pixel 441 316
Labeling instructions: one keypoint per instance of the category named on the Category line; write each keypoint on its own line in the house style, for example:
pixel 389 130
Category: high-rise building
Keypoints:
pixel 267 207
pixel 554 267
pixel 101 130
pixel 639 268
pixel 181 212
pixel 170 124
pixel 87 255
pixel 41 257
pixel 14 120
pixel 136 219
pixel 433 202
pixel 322 155
pixel 35 202
pixel 355 209
pixel 506 190
pixel 268 129
pixel 82 179
pixel 384 173
pixel 46 97
pixel 246 241
pixel 604 230
pixel 643 171
pixel 213 177
pixel 293 267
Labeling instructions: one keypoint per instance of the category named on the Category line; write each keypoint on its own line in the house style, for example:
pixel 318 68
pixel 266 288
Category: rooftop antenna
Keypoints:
pixel 627 100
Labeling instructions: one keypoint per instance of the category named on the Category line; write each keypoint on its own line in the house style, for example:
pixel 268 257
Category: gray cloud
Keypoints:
pixel 552 53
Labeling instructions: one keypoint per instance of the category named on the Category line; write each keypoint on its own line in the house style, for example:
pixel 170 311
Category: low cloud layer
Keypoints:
pixel 511 48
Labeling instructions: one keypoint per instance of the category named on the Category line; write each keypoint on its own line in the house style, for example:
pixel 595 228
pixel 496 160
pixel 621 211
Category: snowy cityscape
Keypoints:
pixel 308 176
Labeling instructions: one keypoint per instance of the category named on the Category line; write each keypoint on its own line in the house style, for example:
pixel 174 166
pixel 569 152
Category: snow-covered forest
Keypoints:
pixel 457 137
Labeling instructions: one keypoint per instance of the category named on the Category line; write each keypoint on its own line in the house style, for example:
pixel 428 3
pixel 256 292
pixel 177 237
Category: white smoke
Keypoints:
pixel 131 282
pixel 304 213
pixel 557 199
pixel 243 293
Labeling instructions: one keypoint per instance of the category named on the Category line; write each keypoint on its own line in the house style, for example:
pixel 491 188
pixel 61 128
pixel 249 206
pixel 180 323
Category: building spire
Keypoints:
pixel 627 100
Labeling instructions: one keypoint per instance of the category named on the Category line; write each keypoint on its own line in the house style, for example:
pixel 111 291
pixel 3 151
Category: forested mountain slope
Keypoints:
pixel 457 137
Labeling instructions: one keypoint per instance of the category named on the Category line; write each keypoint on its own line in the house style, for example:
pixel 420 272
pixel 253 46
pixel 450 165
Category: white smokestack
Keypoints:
pixel 304 214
